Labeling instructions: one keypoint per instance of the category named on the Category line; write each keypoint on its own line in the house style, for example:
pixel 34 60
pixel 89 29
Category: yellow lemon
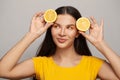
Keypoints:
pixel 83 24
pixel 50 15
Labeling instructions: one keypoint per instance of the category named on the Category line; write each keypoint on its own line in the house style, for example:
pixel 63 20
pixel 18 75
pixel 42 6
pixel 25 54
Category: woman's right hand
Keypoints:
pixel 38 25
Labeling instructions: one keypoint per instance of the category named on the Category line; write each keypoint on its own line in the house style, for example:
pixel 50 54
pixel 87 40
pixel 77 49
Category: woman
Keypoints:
pixel 64 54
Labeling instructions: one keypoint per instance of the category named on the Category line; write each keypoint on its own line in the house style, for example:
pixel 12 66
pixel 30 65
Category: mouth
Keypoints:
pixel 60 40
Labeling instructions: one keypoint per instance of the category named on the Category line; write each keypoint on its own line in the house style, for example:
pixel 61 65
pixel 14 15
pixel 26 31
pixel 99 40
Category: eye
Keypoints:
pixel 69 27
pixel 55 26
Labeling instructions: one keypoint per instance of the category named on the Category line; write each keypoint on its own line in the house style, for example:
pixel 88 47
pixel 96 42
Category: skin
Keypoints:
pixel 64 42
pixel 64 33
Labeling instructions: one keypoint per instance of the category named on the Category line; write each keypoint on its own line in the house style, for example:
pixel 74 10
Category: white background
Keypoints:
pixel 15 17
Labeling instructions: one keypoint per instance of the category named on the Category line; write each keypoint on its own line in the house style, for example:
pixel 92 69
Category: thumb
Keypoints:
pixel 84 34
pixel 47 25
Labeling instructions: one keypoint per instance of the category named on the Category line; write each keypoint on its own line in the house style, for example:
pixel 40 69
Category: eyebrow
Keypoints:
pixel 66 25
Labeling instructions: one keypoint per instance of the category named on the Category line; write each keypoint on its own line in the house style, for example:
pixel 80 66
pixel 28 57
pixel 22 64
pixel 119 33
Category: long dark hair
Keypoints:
pixel 48 46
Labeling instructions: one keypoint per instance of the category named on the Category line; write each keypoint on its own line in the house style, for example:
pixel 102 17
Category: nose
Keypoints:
pixel 62 32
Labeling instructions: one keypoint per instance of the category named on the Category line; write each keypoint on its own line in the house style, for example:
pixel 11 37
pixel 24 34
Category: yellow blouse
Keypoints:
pixel 47 69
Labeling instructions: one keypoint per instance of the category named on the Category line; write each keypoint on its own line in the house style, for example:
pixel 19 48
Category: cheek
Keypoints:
pixel 72 34
pixel 53 32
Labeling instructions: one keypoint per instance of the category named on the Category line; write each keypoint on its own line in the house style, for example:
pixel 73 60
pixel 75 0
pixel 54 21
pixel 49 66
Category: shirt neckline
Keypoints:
pixel 77 65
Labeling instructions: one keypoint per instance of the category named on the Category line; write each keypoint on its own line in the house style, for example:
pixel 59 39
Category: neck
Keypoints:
pixel 63 53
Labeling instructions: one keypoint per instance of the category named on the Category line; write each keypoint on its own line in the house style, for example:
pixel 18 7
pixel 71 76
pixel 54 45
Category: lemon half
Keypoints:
pixel 83 24
pixel 50 15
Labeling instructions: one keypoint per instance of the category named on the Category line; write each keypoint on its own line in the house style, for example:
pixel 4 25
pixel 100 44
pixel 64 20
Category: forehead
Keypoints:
pixel 65 19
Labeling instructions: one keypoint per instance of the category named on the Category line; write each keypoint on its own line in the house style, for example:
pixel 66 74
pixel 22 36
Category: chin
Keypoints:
pixel 63 46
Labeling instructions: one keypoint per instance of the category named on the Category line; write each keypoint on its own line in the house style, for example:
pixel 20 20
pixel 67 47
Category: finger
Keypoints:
pixel 35 16
pixel 84 34
pixel 93 20
pixel 47 25
pixel 102 23
pixel 39 17
pixel 91 26
pixel 38 14
pixel 42 19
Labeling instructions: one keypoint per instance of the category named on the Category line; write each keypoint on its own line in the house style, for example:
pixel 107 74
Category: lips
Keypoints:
pixel 61 40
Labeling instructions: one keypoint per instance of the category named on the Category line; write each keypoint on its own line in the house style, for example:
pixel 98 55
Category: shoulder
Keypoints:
pixel 93 61
pixel 93 64
pixel 41 63
pixel 93 58
pixel 41 59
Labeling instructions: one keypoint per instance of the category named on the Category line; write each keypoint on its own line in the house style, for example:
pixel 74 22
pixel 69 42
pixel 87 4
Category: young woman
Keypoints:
pixel 64 54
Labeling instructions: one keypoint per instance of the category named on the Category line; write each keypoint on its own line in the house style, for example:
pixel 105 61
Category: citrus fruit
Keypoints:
pixel 50 15
pixel 83 24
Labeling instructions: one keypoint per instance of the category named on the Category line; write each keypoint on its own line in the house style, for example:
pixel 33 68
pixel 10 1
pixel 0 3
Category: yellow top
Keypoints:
pixel 47 69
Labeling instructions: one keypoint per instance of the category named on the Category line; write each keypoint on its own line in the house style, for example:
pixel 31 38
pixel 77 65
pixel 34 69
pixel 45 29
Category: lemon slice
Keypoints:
pixel 50 15
pixel 83 24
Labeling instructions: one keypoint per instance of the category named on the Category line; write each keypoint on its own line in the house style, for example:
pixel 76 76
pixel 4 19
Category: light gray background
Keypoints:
pixel 15 17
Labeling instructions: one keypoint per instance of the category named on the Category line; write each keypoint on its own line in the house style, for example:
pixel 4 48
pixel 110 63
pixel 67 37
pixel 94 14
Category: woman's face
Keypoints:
pixel 64 31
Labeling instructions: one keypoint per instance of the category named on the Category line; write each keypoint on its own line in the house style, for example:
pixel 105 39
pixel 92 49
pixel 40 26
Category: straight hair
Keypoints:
pixel 48 46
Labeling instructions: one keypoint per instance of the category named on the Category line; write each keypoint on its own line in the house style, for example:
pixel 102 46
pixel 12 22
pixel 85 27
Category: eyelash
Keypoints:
pixel 55 26
pixel 68 27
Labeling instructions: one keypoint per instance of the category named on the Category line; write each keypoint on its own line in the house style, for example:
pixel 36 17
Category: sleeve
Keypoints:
pixel 38 66
pixel 96 65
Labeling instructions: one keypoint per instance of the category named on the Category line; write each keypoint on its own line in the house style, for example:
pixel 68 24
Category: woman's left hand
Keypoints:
pixel 95 32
